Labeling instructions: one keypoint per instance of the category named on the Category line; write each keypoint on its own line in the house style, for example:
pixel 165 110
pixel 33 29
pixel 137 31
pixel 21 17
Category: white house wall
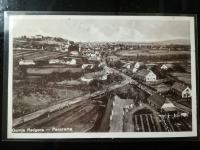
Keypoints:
pixel 151 77
pixel 186 93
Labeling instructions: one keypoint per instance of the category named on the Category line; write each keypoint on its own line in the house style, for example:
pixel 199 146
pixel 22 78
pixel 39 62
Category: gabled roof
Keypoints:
pixel 26 61
pixel 143 72
pixel 179 86
pixel 158 99
pixel 168 65
pixel 131 65
pixel 169 107
pixel 140 63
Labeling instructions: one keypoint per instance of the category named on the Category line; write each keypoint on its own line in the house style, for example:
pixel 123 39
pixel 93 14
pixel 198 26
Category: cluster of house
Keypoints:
pixel 99 75
pixel 87 66
pixel 165 106
pixel 69 61
pixel 51 41
pixel 65 48
pixel 112 58
pixel 91 54
pixel 139 71
pixel 38 37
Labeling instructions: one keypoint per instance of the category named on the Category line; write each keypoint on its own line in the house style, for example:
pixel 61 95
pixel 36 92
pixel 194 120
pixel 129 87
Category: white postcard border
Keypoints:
pixel 192 133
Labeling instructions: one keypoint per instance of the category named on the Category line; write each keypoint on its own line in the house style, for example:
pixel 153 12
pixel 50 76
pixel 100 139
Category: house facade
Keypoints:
pixel 75 53
pixel 169 109
pixel 145 75
pixel 150 76
pixel 138 65
pixel 186 93
pixel 54 61
pixel 166 66
pixel 87 80
pixel 127 66
pixel 90 66
pixel 26 62
pixel 71 62
pixel 113 58
pixel 182 90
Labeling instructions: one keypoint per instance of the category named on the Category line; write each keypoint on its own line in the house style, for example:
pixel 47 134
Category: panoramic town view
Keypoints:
pixel 101 85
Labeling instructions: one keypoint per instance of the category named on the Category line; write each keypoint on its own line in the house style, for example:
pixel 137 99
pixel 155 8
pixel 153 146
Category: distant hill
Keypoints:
pixel 174 42
pixel 166 42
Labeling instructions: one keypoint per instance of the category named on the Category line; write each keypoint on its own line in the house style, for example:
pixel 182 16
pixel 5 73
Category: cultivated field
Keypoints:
pixel 150 52
pixel 36 54
pixel 28 99
pixel 46 71
pixel 175 124
pixel 78 117
pixel 145 123
pixel 185 77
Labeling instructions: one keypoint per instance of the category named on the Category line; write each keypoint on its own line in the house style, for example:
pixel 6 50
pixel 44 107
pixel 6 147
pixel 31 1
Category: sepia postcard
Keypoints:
pixel 94 76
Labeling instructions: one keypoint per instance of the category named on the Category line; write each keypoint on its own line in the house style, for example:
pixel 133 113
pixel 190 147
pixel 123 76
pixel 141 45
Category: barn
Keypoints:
pixel 161 104
pixel 166 66
pixel 168 109
pixel 145 75
pixel 181 90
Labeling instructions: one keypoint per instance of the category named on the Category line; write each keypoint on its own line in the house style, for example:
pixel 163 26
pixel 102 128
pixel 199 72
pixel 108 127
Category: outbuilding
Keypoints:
pixel 26 62
pixel 181 90
pixel 139 65
pixel 169 109
pixel 166 66
pixel 145 75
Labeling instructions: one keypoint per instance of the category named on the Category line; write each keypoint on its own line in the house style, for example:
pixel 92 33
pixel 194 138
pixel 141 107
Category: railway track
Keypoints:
pixel 77 117
pixel 48 117
pixel 35 115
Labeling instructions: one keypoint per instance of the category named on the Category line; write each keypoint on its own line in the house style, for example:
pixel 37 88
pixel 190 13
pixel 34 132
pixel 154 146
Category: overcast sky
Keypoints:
pixel 94 29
